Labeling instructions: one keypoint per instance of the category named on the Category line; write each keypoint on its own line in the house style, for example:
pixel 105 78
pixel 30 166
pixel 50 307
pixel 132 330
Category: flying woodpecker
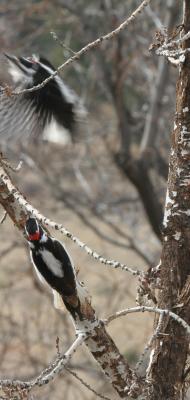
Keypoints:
pixel 53 107
pixel 51 261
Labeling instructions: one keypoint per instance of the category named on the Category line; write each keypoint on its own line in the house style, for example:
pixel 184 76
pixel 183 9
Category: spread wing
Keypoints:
pixel 18 117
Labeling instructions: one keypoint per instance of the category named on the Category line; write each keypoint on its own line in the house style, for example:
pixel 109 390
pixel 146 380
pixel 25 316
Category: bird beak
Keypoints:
pixel 21 63
pixel 15 62
pixel 12 59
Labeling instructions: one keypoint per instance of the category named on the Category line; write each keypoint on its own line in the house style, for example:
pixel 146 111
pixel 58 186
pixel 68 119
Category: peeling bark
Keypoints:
pixel 99 342
pixel 11 206
pixel 166 370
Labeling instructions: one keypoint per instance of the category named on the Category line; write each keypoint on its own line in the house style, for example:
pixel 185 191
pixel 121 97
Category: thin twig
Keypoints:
pixel 177 42
pixel 55 37
pixel 166 312
pixel 33 211
pixel 88 47
pixel 48 374
pixel 87 384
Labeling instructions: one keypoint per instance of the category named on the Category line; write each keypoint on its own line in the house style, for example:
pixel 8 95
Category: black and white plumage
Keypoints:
pixel 51 261
pixel 34 113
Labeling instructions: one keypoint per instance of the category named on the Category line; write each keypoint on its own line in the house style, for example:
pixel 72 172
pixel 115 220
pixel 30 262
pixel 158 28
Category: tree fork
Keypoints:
pixel 98 341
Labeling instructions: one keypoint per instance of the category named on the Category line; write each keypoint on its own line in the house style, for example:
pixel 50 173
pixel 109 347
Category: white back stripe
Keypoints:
pixel 52 263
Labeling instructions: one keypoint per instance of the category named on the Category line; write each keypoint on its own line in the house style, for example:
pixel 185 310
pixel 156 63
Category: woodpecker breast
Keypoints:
pixel 32 113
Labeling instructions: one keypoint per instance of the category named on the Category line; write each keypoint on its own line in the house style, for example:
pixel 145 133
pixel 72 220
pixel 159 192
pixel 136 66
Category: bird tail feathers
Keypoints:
pixel 58 302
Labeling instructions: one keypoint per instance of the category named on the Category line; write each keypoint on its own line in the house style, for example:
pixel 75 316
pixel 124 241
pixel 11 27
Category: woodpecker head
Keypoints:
pixel 34 232
pixel 21 68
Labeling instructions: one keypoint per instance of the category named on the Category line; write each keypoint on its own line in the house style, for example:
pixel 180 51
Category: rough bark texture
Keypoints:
pixel 98 341
pixel 170 352
pixel 10 205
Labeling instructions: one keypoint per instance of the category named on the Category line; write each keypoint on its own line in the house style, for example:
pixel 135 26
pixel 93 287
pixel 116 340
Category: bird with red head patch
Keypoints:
pixel 33 230
pixel 50 260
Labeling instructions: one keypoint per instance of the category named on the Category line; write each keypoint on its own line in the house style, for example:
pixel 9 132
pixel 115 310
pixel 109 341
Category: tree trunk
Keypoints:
pixel 167 368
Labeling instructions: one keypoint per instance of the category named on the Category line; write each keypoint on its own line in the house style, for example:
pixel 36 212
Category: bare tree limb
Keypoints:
pixel 156 310
pixel 16 205
pixel 89 46
pixel 48 374
pixel 98 341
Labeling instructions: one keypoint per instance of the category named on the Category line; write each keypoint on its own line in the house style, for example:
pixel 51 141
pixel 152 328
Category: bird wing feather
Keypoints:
pixel 18 117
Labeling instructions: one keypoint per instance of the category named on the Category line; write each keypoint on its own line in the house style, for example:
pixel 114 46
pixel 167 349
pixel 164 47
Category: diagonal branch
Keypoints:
pixel 98 341
pixel 47 375
pixel 90 46
pixel 18 209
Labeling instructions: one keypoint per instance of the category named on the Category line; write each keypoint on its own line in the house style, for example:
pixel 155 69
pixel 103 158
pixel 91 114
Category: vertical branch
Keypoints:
pixel 170 354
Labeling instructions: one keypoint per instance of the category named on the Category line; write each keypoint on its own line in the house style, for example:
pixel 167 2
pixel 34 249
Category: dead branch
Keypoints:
pixel 88 47
pixel 156 310
pixel 49 373
pixel 78 304
pixel 16 205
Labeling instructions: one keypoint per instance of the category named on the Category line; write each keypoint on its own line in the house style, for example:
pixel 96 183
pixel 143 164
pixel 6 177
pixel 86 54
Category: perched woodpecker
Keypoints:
pixel 51 261
pixel 55 106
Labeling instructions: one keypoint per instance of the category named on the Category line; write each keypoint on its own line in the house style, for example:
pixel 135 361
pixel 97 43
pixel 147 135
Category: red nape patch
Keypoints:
pixel 35 236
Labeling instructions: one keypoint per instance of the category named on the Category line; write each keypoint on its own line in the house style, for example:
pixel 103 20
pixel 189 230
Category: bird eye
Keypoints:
pixel 29 63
